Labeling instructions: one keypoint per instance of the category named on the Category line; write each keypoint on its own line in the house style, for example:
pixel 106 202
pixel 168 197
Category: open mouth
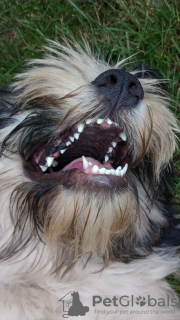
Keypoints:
pixel 90 150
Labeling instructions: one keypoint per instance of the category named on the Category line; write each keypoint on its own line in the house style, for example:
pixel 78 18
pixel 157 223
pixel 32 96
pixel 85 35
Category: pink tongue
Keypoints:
pixel 78 164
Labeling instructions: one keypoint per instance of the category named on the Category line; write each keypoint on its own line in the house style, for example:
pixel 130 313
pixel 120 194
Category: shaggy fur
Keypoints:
pixel 71 230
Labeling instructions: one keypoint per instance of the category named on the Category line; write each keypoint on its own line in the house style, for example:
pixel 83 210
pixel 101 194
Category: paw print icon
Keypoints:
pixel 141 301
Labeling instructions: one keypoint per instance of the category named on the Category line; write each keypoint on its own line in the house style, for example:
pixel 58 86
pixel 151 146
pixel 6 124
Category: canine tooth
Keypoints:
pixel 88 121
pixel 109 121
pixel 110 149
pixel 123 171
pixel 80 127
pixel 114 144
pixel 123 136
pixel 102 170
pixel 125 168
pixel 43 168
pixel 55 163
pixel 76 136
pixel 95 168
pixel 107 171
pixel 49 161
pixel 85 162
pixel 99 121
pixel 106 158
pixel 68 143
pixel 71 138
pixel 63 150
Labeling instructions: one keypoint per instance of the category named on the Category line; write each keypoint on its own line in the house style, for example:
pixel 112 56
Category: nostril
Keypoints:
pixel 110 81
pixel 133 89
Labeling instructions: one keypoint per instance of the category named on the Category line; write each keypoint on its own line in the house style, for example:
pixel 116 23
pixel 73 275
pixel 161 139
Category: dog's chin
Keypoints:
pixel 94 153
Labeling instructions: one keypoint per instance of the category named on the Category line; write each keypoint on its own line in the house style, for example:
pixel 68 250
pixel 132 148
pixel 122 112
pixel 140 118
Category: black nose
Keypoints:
pixel 120 88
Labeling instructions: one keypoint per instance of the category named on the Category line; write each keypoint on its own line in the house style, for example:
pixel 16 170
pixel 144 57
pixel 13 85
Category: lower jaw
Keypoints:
pixel 77 178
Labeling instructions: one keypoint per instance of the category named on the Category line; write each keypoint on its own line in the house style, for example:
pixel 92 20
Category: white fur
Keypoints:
pixel 30 289
pixel 36 296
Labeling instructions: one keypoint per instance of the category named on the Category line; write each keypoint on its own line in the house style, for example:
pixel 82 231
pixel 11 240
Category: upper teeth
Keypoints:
pixel 99 121
pixel 109 121
pixel 68 143
pixel 50 161
pixel 114 144
pixel 80 127
pixel 43 168
pixel 123 136
pixel 76 136
pixel 88 121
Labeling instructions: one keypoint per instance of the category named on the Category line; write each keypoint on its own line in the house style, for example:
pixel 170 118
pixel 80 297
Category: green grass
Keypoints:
pixel 151 29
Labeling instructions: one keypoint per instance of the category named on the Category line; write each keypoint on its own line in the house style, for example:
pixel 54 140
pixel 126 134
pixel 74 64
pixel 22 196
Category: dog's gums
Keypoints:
pixel 93 147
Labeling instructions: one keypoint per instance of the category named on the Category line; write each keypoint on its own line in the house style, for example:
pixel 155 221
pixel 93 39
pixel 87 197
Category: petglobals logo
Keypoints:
pixel 131 301
pixel 72 306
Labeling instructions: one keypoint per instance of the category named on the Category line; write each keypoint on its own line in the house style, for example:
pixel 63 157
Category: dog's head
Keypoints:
pixel 84 148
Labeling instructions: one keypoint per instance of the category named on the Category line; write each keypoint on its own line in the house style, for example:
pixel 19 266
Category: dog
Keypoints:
pixel 77 308
pixel 86 199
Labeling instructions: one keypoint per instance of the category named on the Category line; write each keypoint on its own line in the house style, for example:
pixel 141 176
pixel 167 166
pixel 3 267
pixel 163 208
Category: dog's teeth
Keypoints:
pixel 106 158
pixel 99 121
pixel 125 168
pixel 90 163
pixel 43 168
pixel 68 143
pixel 49 161
pixel 107 171
pixel 85 162
pixel 95 168
pixel 102 170
pixel 123 171
pixel 80 127
pixel 88 121
pixel 114 144
pixel 76 136
pixel 117 172
pixel 119 168
pixel 123 136
pixel 109 121
pixel 55 163
pixel 110 149
pixel 63 150
pixel 71 138
pixel 113 172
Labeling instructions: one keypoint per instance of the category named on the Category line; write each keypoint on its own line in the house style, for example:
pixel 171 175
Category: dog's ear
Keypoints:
pixel 7 100
pixel 146 72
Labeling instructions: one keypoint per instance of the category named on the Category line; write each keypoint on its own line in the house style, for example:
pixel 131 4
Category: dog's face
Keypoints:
pixel 84 146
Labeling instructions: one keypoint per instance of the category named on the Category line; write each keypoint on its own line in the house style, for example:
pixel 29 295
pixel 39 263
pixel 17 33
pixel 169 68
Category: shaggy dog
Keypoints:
pixel 86 202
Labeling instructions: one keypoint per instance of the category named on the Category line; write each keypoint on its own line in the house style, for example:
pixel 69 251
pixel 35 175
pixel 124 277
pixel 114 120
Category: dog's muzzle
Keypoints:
pixel 119 88
pixel 96 150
